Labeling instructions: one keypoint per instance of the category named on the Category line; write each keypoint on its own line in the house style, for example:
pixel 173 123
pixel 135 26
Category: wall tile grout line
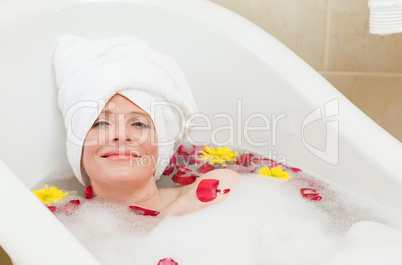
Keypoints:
pixel 327 37
pixel 388 74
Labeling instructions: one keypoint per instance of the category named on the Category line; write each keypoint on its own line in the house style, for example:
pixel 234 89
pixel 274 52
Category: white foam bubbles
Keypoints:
pixel 262 221
pixel 368 243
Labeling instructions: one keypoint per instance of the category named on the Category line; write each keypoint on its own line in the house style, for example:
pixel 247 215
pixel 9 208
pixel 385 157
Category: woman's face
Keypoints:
pixel 121 146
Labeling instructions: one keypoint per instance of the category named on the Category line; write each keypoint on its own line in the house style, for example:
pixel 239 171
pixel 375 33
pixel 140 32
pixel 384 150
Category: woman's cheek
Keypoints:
pixel 96 137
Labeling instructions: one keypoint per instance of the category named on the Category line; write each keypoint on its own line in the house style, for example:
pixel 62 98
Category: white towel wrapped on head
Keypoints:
pixel 89 73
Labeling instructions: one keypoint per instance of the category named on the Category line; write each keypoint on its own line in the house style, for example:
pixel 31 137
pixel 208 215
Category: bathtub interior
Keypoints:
pixel 234 69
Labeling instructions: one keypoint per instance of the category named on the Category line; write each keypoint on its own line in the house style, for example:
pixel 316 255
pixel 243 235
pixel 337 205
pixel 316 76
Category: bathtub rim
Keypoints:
pixel 250 32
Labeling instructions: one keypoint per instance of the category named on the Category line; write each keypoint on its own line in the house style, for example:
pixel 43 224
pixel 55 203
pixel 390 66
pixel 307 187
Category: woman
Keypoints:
pixel 125 108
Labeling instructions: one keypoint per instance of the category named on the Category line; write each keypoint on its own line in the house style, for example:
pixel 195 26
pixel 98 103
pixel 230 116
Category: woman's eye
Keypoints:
pixel 140 124
pixel 100 123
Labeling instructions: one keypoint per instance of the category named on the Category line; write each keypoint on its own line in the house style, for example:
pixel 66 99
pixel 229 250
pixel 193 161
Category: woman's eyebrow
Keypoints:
pixel 143 113
pixel 139 112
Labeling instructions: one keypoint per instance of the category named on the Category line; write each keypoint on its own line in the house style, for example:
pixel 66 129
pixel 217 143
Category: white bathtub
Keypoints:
pixel 233 67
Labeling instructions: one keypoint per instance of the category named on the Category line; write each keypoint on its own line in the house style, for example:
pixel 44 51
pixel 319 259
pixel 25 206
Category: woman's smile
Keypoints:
pixel 118 154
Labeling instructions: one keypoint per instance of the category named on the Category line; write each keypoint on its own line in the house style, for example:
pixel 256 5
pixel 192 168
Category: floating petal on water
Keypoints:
pixel 89 193
pixel 179 179
pixel 168 171
pixel 205 168
pixel 143 211
pixel 173 160
pixel 167 261
pixel 182 168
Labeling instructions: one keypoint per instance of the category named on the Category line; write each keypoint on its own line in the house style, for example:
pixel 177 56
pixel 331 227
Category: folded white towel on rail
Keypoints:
pixel 385 16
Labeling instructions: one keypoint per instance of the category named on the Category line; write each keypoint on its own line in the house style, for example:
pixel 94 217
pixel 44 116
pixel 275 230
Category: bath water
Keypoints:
pixel 261 221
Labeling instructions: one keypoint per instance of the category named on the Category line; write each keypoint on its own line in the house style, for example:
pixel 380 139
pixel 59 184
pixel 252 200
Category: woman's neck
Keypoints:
pixel 146 195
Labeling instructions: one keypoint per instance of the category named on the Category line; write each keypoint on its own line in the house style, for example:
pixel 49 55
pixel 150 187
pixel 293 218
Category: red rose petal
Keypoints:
pixel 244 160
pixel 267 160
pixel 275 165
pixel 185 150
pixel 89 194
pixel 182 168
pixel 296 170
pixel 307 193
pixel 75 202
pixel 223 192
pixel 316 198
pixel 181 173
pixel 143 211
pixel 310 194
pixel 179 179
pixel 173 160
pixel 70 207
pixel 205 168
pixel 180 151
pixel 190 160
pixel 167 261
pixel 264 161
pixel 168 171
pixel 207 190
pixel 52 208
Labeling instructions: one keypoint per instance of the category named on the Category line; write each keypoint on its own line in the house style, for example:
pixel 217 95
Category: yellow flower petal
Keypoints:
pixel 275 172
pixel 220 155
pixel 49 195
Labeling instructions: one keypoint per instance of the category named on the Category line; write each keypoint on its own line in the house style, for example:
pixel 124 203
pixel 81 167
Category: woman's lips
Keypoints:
pixel 120 155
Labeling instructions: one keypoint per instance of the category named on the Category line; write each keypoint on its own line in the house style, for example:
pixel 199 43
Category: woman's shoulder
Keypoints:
pixel 187 200
pixel 227 178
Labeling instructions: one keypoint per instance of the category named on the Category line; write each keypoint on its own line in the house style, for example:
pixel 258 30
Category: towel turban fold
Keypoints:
pixel 89 73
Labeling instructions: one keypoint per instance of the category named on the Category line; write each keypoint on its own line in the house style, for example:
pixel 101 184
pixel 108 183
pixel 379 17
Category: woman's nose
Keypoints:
pixel 120 131
pixel 116 139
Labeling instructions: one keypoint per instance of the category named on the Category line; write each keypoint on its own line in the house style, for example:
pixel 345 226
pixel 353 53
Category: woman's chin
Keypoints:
pixel 124 175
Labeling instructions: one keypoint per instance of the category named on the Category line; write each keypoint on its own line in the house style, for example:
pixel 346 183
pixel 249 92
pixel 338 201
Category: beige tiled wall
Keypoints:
pixel 333 37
